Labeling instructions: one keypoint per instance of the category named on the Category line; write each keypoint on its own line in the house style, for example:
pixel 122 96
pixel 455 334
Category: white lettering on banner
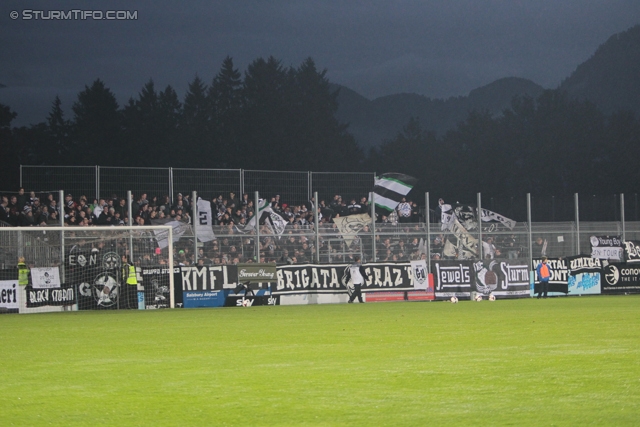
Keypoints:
pixel 62 295
pixel 584 262
pixel 453 276
pixel 81 260
pixel 514 275
pixel 8 294
pixel 36 297
pixel 243 273
pixel 606 253
pixel 212 275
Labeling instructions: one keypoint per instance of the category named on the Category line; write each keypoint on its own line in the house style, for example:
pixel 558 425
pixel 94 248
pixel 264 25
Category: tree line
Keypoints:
pixel 283 118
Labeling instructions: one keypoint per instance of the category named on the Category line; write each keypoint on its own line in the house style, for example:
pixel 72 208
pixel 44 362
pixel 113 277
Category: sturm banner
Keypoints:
pixel 507 278
pixel 64 295
pixel 620 278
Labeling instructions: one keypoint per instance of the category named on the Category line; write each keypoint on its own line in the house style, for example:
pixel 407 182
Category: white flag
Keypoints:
pixel 204 224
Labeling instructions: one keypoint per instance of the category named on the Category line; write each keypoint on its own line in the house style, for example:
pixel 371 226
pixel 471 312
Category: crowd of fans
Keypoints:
pixel 235 242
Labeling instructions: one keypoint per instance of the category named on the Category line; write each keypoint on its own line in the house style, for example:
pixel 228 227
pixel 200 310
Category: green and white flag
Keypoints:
pixel 390 188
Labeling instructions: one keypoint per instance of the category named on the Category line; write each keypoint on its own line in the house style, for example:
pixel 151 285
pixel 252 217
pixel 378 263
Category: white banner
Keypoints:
pixel 351 225
pixel 614 254
pixel 420 277
pixel 9 294
pixel 45 277
pixel 204 224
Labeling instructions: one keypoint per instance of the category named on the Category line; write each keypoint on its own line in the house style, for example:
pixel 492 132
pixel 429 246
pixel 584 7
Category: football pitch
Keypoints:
pixel 559 361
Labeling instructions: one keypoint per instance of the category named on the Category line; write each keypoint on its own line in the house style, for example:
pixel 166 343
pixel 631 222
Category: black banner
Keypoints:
pixel 559 281
pixel 250 301
pixel 215 277
pixel 621 278
pixel 64 295
pixel 508 278
pixel 453 278
pixel 583 264
pixel 157 292
pixel 632 251
pixel 326 278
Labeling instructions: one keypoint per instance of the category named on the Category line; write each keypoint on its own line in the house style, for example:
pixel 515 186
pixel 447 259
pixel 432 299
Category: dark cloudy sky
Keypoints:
pixel 437 48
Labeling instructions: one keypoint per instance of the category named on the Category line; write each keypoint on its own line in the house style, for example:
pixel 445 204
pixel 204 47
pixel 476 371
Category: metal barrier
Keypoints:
pixel 103 181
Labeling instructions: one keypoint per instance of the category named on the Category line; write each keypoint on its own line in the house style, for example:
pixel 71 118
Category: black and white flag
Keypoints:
pixel 390 188
pixel 204 224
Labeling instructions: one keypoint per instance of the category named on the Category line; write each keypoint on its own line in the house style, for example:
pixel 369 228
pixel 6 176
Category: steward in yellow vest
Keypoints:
pixel 23 272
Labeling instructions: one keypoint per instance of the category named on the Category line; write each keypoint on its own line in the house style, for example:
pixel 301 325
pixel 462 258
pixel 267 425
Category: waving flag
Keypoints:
pixel 390 188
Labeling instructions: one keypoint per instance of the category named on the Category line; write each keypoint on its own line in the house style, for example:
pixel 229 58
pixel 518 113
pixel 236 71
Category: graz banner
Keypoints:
pixel 584 275
pixel 632 251
pixel 606 247
pixel 64 295
pixel 507 278
pixel 620 278
pixel 558 283
pixel 326 278
pixel 452 278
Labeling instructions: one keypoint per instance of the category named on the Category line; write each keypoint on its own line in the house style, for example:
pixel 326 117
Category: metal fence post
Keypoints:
pixel 61 219
pixel 130 214
pixel 372 196
pixel 427 217
pixel 97 182
pixel 171 185
pixel 257 213
pixel 624 227
pixel 530 231
pixel 480 226
pixel 577 212
pixel 194 210
pixel 315 206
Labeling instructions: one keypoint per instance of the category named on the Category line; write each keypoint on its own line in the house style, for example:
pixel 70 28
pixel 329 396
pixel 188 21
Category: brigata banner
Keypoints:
pixel 64 295
pixel 632 251
pixel 256 273
pixel 621 278
pixel 325 278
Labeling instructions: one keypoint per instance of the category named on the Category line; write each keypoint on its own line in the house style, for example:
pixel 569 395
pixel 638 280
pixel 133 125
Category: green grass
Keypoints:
pixel 560 361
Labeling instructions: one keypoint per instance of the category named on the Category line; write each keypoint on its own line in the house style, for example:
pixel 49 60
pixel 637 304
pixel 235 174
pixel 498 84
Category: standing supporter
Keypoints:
pixel 358 276
pixel 404 211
